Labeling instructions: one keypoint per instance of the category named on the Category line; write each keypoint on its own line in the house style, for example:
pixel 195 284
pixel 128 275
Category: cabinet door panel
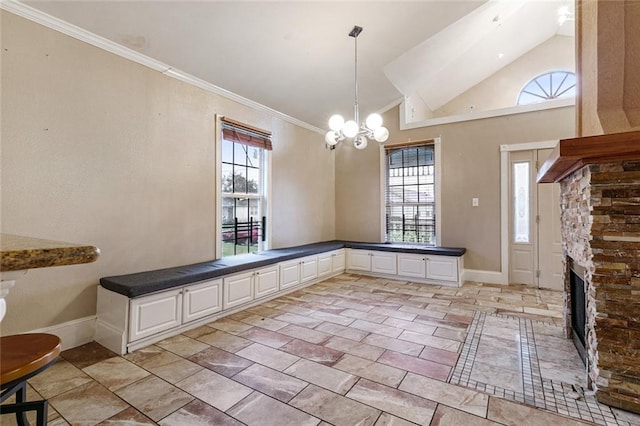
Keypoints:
pixel 325 264
pixel 384 263
pixel 338 262
pixel 289 274
pixel 412 266
pixel 308 269
pixel 201 300
pixel 266 282
pixel 359 260
pixel 238 289
pixel 155 313
pixel 442 268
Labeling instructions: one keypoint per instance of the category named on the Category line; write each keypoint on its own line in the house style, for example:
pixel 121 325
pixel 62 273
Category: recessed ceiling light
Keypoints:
pixel 500 55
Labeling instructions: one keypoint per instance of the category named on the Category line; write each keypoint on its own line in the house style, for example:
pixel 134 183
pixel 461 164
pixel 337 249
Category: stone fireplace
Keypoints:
pixel 600 202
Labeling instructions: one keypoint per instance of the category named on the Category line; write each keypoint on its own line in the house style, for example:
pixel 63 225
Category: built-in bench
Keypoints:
pixel 141 283
pixel 135 310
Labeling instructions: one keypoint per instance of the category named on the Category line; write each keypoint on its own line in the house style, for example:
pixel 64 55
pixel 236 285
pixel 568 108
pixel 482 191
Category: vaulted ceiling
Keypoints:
pixel 296 56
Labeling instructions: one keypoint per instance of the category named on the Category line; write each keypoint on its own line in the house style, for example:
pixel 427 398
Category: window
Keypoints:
pixel 521 202
pixel 244 152
pixel 410 194
pixel 548 86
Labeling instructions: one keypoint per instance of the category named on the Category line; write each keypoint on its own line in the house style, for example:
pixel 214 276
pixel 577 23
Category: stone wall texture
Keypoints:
pixel 601 232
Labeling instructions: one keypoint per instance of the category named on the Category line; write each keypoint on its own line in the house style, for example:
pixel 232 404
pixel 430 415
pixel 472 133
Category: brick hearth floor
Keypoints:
pixel 351 350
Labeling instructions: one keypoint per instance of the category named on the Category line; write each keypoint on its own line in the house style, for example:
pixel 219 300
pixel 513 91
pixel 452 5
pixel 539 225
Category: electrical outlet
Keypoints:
pixel 475 202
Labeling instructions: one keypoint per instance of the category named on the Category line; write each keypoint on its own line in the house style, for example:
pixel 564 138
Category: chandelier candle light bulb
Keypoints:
pixel 351 129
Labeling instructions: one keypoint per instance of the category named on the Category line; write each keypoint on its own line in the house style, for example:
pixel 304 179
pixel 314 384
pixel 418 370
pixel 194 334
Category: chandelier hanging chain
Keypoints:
pixel 354 33
pixel 360 133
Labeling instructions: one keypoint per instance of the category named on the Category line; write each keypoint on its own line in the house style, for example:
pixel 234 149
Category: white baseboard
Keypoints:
pixel 73 333
pixel 110 337
pixel 489 277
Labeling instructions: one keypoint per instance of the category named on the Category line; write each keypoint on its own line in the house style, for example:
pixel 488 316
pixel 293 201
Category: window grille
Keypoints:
pixel 410 195
pixel 548 86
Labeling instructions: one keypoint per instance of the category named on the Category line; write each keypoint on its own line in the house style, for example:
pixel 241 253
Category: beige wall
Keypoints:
pixel 470 168
pixel 607 43
pixel 501 90
pixel 97 149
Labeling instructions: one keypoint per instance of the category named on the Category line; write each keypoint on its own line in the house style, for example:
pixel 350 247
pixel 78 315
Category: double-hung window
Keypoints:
pixel 410 202
pixel 243 188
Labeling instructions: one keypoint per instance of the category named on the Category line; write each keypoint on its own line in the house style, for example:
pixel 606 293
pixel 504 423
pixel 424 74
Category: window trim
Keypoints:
pixel 266 175
pixel 436 142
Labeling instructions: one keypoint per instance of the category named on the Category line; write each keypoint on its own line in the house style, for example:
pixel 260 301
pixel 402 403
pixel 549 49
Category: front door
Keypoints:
pixel 535 245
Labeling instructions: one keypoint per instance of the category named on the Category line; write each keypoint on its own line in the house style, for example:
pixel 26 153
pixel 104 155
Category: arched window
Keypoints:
pixel 547 86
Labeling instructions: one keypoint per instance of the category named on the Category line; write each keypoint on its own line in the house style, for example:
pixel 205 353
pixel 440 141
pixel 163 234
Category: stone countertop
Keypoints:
pixel 19 253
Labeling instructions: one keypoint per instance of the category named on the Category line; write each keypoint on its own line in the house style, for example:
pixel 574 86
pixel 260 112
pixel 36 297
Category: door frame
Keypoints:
pixel 503 276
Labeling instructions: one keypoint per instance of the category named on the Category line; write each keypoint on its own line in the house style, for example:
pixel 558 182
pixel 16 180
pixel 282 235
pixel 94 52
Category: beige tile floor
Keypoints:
pixel 351 350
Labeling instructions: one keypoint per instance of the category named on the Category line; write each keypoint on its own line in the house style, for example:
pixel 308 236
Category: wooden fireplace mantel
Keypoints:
pixel 571 154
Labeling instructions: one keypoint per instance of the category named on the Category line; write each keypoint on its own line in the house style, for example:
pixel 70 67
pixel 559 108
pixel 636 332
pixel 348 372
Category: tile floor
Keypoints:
pixel 529 361
pixel 351 350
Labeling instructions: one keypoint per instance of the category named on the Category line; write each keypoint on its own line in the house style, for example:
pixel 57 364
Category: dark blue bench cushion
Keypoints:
pixel 141 283
pixel 407 248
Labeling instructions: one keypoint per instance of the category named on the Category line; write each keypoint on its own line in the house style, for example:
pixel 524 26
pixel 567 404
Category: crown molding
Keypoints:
pixel 37 16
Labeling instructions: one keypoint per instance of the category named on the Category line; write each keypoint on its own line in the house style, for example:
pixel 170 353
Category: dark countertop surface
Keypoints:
pixel 141 283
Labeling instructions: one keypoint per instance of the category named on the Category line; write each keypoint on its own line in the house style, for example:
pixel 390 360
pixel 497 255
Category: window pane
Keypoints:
pixel 227 178
pixel 426 194
pixel 521 222
pixel 395 159
pixel 395 178
pixel 228 212
pixel 239 179
pixel 394 195
pixel 240 154
pixel 411 194
pixel 253 156
pixel 253 181
pixel 227 151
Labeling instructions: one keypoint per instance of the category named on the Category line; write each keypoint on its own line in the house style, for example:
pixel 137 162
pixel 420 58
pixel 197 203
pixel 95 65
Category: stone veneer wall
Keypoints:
pixel 601 232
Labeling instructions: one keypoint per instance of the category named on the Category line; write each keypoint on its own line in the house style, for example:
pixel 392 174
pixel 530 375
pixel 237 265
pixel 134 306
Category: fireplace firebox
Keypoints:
pixel 578 309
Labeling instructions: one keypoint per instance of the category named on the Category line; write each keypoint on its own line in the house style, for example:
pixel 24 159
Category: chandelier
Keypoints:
pixel 360 133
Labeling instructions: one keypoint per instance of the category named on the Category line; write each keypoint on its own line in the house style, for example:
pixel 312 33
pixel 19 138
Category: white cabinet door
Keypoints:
pixel 358 260
pixel 266 281
pixel 308 268
pixel 325 264
pixel 442 268
pixel 412 265
pixel 289 274
pixel 201 299
pixel 383 263
pixel 155 313
pixel 238 289
pixel 338 261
